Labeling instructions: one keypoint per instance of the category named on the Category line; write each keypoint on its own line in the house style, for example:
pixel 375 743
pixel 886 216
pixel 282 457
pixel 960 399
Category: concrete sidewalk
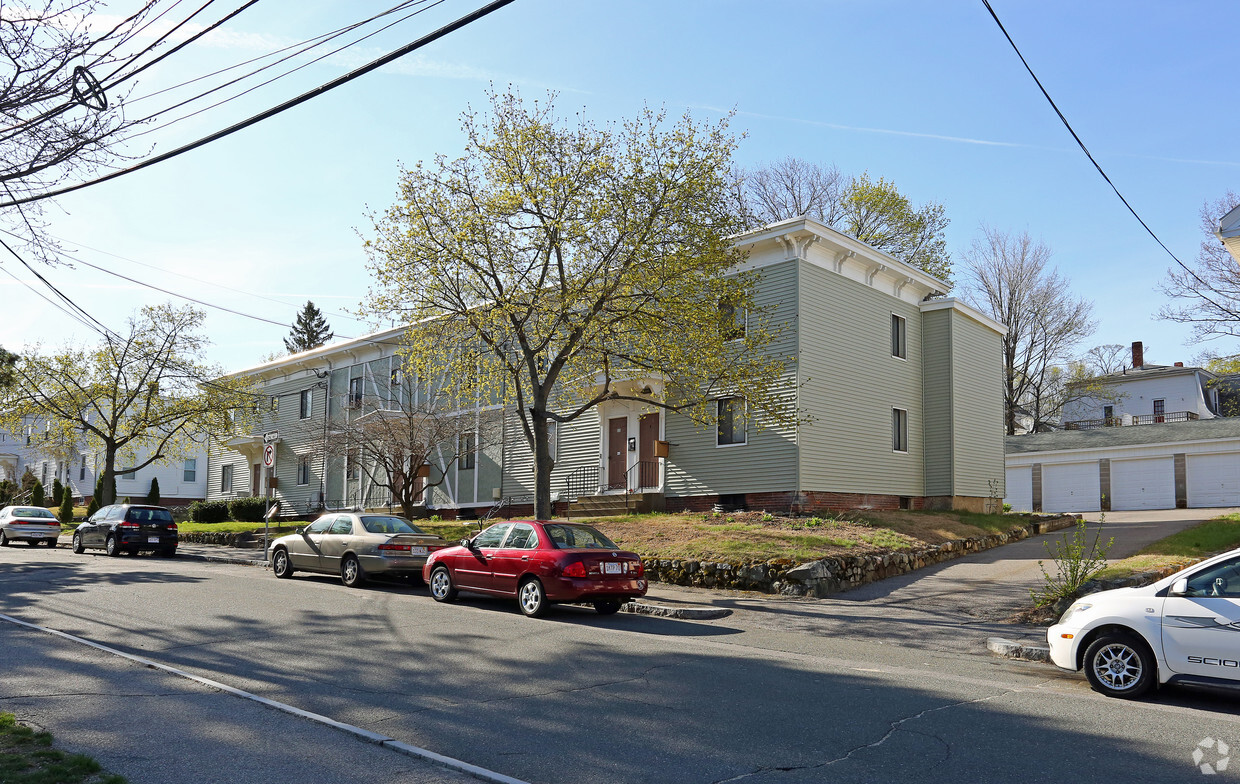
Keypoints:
pixel 154 727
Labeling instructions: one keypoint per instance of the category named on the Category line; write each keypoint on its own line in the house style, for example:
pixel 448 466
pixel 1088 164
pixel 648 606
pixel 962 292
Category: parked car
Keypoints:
pixel 32 524
pixel 539 563
pixel 128 528
pixel 356 546
pixel 1181 629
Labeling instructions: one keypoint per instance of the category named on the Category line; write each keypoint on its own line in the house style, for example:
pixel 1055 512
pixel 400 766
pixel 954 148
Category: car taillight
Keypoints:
pixel 575 569
pixel 129 526
pixel 404 548
pixel 637 567
pixel 172 526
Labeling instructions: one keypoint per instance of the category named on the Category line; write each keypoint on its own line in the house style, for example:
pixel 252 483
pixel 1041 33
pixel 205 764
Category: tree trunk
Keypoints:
pixel 543 508
pixel 108 478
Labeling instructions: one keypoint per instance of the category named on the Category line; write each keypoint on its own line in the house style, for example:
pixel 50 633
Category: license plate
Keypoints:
pixel 152 540
pixel 611 568
pixel 417 551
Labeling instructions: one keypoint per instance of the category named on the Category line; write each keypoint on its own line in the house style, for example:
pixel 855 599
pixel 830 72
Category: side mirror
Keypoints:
pixel 1179 587
pixel 302 530
pixel 467 542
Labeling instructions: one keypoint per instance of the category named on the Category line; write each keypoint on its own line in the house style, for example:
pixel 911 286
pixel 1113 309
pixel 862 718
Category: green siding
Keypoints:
pixel 937 376
pixel 977 429
pixel 849 384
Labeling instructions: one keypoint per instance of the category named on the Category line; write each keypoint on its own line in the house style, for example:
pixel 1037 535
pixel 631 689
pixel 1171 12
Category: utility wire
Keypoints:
pixel 181 45
pixel 57 291
pixel 49 300
pixel 1088 155
pixel 316 92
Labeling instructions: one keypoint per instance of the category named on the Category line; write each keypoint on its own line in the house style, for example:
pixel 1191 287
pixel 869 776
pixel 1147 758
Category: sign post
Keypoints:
pixel 269 460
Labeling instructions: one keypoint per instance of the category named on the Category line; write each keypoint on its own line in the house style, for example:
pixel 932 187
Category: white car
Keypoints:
pixel 1182 629
pixel 32 524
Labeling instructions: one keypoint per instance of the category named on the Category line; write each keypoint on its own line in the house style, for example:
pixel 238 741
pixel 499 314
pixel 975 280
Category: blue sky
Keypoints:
pixel 927 95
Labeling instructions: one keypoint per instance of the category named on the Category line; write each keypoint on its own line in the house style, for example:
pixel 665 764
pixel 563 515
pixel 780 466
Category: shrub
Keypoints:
pixel 58 491
pixel 247 510
pixel 92 507
pixel 126 500
pixel 208 511
pixel 66 506
pixel 1077 559
pixel 152 497
pixel 36 494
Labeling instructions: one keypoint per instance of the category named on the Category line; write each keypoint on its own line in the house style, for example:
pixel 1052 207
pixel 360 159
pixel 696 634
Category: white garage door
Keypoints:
pixel 1019 487
pixel 1213 480
pixel 1148 483
pixel 1070 487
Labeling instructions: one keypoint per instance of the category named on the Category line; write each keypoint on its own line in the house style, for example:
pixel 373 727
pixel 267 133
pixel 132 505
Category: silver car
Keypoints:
pixel 355 545
pixel 33 524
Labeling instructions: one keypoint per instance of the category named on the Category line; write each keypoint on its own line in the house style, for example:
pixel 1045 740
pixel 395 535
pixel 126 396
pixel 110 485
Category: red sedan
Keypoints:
pixel 539 564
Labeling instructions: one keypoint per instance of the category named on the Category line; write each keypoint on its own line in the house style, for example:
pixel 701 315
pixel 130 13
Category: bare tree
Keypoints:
pixel 60 111
pixel 406 444
pixel 1107 359
pixel 1008 277
pixel 791 188
pixel 1207 296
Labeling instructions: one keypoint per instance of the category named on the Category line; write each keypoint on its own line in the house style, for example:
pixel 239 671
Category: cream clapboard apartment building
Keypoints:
pixel 901 388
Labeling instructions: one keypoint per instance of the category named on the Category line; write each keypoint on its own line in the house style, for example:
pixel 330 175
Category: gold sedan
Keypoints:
pixel 355 545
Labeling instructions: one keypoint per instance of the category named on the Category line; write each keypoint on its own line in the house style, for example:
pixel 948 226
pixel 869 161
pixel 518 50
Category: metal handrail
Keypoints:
pixel 583 481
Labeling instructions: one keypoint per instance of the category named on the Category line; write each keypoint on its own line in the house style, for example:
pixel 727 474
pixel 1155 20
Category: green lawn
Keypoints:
pixel 1193 544
pixel 27 757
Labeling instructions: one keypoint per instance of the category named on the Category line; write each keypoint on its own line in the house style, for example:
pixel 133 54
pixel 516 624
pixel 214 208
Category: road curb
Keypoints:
pixel 683 613
pixel 1014 650
pixel 222 559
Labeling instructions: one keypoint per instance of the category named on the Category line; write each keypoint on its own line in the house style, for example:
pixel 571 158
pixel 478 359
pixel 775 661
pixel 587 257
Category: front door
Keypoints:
pixel 472 570
pixel 617 452
pixel 256 474
pixel 1200 628
pixel 513 559
pixel 648 466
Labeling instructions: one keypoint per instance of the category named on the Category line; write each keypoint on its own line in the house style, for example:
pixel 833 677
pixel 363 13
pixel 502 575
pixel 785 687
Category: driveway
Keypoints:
pixel 950 606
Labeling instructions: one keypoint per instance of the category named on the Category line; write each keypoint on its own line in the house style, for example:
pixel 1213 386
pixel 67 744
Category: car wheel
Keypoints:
pixel 351 572
pixel 1119 665
pixel 111 546
pixel 51 542
pixel 442 589
pixel 4 539
pixel 608 606
pixel 531 598
pixel 78 547
pixel 281 566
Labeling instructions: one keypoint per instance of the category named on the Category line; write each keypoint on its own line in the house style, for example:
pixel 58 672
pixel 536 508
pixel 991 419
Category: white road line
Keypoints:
pixel 363 734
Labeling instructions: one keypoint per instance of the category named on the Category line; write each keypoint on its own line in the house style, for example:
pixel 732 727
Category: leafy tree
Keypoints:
pixel 560 265
pixel 874 212
pixel 57 491
pixel 28 481
pixel 36 494
pixel 152 497
pixel 145 393
pixel 7 490
pixel 50 134
pixel 65 513
pixel 309 331
pixel 1207 296
pixel 1008 277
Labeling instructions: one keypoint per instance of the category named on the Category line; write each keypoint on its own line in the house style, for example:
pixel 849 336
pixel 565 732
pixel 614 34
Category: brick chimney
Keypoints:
pixel 1179 364
pixel 1138 355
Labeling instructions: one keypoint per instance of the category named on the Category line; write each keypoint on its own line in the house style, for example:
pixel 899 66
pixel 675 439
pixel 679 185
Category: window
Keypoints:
pixel 43 474
pixel 306 400
pixel 342 526
pixel 1160 410
pixel 275 403
pixel 321 525
pixel 492 536
pixel 190 472
pixel 553 439
pixel 128 473
pixel 355 392
pixel 226 479
pixel 733 320
pixel 522 537
pixel 897 336
pixel 1222 580
pixel 899 430
pixel 352 467
pixel 469 449
pixel 303 470
pixel 1108 413
pixel 82 470
pixel 731 421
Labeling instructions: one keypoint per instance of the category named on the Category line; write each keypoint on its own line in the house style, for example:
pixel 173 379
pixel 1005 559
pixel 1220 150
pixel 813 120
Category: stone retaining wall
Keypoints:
pixel 223 538
pixel 834 575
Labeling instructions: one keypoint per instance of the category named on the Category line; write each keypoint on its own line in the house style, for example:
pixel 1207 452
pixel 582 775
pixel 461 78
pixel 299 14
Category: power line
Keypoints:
pixel 57 291
pixel 1090 156
pixel 179 46
pixel 269 113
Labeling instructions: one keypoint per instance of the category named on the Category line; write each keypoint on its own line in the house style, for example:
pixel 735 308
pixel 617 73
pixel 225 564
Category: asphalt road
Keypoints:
pixel 572 698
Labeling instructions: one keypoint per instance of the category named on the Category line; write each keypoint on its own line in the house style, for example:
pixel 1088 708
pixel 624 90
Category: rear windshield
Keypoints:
pixel 378 524
pixel 583 537
pixel 149 516
pixel 32 511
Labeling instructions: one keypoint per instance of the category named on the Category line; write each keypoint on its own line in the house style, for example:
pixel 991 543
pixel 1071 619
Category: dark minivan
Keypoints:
pixel 128 528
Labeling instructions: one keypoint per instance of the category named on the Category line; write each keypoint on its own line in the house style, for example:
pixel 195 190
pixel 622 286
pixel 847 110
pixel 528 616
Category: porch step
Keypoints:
pixel 604 505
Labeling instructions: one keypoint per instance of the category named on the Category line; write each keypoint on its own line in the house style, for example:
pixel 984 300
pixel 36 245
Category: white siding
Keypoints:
pixel 1148 483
